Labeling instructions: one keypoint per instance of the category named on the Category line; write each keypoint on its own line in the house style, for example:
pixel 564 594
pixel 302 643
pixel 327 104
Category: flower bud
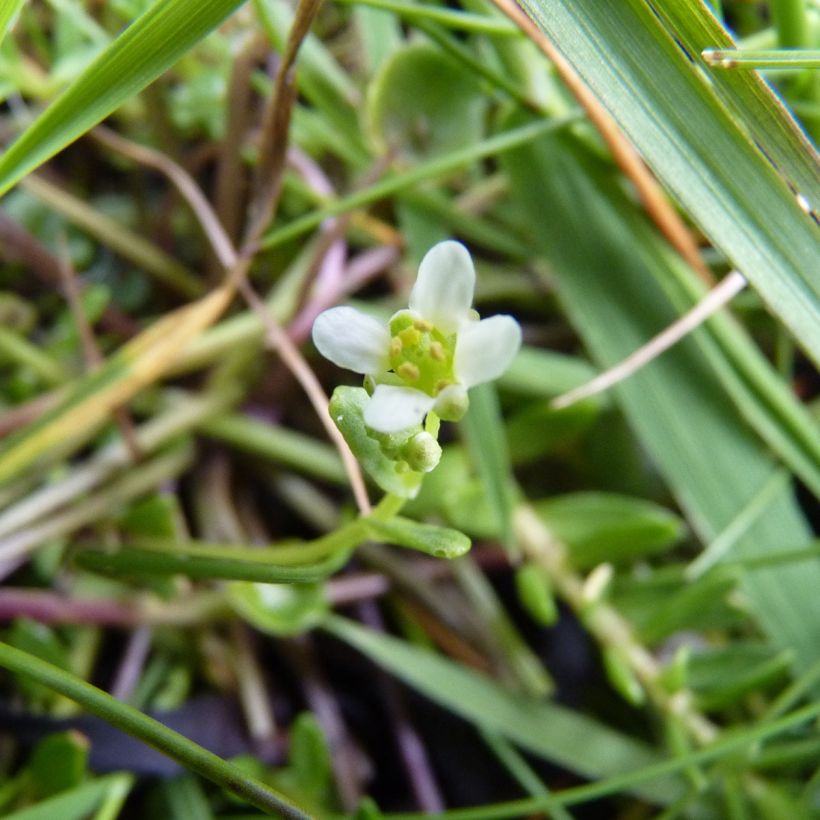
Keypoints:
pixel 422 453
pixel 452 403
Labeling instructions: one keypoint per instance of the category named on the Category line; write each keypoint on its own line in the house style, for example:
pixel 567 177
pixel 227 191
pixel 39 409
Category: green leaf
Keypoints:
pixel 422 103
pixel 535 594
pixel 468 507
pixel 393 475
pixel 41 641
pixel 58 762
pixel 600 527
pixel 546 729
pixel 543 374
pixel 76 804
pixel 153 517
pixel 149 46
pixel 279 609
pixel 183 798
pixel 662 96
pixel 440 542
pixel 663 604
pixel 309 774
pixel 537 429
pixel 721 676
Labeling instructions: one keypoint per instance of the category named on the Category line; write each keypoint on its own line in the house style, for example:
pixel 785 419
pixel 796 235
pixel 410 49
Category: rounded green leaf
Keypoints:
pixel 600 527
pixel 279 609
pixel 423 103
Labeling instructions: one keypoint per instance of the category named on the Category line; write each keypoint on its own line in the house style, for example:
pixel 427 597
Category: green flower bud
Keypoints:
pixel 422 453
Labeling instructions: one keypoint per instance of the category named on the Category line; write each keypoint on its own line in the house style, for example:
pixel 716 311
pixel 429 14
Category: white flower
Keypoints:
pixel 428 356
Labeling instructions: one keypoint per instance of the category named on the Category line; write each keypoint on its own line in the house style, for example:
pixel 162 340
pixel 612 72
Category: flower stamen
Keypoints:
pixel 409 372
pixel 420 354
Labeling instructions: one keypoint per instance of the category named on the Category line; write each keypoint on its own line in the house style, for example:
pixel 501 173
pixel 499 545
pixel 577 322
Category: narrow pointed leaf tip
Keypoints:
pixel 426 357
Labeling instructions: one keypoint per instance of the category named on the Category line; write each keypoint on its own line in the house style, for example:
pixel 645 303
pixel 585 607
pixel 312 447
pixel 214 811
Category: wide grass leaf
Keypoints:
pixel 149 46
pixel 662 97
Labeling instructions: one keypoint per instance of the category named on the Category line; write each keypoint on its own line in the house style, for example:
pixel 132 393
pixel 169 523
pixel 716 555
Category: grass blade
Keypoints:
pixel 149 46
pixel 540 727
pixel 8 11
pixel 699 148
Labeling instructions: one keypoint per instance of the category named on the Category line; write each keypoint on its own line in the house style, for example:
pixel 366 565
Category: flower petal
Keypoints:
pixel 485 349
pixel 443 292
pixel 352 340
pixel 392 409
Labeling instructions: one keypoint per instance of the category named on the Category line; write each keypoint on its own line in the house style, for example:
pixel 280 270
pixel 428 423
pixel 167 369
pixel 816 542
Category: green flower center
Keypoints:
pixel 420 354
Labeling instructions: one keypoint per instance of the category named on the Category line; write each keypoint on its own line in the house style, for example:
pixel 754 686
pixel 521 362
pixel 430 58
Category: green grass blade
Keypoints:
pixel 149 46
pixel 542 728
pixel 8 11
pixel 711 459
pixel 660 95
pixel 747 95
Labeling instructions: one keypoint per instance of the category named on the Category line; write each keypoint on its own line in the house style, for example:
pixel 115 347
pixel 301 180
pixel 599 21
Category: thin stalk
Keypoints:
pixel 152 732
pixel 237 261
pixel 148 564
pixel 518 767
pixel 300 554
pixel 713 301
pixel 441 166
pixel 121 240
pixel 279 444
pixel 791 22
pixel 16 348
pixel 793 58
pixel 459 20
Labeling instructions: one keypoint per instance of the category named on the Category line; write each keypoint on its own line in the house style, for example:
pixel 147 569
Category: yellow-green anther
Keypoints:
pixel 409 336
pixel 408 371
